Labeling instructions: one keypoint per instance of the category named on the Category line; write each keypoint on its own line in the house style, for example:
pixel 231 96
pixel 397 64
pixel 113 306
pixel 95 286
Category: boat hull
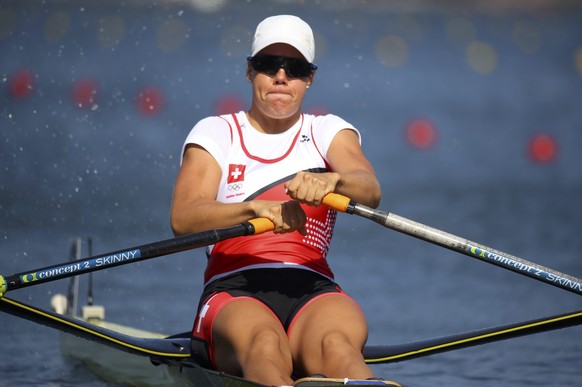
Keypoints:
pixel 118 367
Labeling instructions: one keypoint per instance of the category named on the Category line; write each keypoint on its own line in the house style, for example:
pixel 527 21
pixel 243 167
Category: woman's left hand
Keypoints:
pixel 311 188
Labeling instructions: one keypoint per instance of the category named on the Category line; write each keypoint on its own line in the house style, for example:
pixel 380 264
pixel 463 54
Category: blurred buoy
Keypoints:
pixel 421 133
pixel 482 57
pixel 84 93
pixel 543 148
pixel 150 101
pixel 21 84
pixel 317 110
pixel 230 103
pixel 391 51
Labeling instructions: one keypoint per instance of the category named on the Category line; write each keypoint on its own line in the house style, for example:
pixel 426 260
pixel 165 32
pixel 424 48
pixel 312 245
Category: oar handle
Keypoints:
pixel 262 225
pixel 332 200
pixel 336 202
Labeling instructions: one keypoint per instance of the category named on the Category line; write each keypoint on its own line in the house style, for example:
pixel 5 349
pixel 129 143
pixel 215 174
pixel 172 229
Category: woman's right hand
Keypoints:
pixel 286 216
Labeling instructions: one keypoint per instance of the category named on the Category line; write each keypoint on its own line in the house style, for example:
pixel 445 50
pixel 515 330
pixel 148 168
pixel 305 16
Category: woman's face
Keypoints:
pixel 278 96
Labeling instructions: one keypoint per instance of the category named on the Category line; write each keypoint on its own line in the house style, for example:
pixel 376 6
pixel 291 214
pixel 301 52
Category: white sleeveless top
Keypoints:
pixel 256 165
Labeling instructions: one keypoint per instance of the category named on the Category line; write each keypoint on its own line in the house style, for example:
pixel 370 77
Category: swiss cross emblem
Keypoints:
pixel 236 172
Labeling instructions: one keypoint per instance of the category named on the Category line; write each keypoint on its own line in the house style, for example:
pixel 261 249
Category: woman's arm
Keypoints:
pixel 194 205
pixel 352 176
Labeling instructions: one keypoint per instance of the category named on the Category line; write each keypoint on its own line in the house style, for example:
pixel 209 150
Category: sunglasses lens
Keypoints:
pixel 270 65
pixel 297 68
pixel 266 64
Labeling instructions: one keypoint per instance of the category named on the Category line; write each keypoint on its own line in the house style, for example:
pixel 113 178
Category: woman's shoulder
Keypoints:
pixel 214 126
pixel 213 121
pixel 329 121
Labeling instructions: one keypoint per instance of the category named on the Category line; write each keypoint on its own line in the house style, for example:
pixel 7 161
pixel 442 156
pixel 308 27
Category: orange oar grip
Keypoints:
pixel 336 202
pixel 262 225
pixel 332 200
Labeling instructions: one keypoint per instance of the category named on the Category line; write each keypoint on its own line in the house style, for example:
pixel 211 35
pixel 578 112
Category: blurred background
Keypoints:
pixel 471 113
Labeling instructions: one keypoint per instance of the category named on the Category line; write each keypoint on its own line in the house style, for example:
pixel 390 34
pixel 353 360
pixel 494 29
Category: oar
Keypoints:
pixel 256 226
pixel 455 243
pixel 135 254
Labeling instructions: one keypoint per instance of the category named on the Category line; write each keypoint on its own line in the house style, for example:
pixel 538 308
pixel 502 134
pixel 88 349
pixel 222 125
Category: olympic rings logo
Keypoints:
pixel 234 187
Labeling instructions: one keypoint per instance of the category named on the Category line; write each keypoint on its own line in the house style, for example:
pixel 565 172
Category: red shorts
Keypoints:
pixel 286 293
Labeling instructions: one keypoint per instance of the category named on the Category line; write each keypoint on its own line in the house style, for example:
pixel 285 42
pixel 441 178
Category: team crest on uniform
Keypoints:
pixel 235 179
pixel 236 173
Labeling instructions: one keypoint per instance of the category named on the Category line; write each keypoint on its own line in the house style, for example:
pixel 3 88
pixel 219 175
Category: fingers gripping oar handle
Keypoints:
pixel 337 202
pixel 140 253
pixel 261 225
pixel 455 243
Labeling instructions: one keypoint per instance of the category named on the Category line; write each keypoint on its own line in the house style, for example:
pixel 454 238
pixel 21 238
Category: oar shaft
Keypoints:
pixel 486 254
pixel 455 243
pixel 122 257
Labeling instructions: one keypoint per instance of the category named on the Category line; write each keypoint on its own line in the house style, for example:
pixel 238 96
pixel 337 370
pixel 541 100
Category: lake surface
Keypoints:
pixel 100 167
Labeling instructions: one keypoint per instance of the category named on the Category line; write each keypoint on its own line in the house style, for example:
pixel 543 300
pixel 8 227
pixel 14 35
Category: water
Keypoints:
pixel 106 171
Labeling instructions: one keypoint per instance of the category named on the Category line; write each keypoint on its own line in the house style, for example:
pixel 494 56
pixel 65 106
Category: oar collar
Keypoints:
pixel 2 286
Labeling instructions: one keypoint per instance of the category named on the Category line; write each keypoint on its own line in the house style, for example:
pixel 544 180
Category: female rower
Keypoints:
pixel 270 310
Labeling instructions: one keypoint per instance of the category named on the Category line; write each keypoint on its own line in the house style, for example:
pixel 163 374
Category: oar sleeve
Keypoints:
pixel 2 286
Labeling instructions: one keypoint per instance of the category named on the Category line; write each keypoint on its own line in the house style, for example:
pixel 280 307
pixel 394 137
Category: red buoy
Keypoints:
pixel 229 103
pixel 150 101
pixel 543 148
pixel 421 133
pixel 84 93
pixel 21 84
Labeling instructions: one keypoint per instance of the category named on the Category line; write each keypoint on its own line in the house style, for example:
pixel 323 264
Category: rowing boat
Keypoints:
pixel 139 357
pixel 126 355
pixel 167 360
pixel 134 356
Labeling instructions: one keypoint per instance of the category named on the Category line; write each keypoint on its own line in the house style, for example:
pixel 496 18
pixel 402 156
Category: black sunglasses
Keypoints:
pixel 270 65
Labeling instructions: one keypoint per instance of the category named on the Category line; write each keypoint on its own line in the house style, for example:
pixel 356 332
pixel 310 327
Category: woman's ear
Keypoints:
pixel 249 73
pixel 310 79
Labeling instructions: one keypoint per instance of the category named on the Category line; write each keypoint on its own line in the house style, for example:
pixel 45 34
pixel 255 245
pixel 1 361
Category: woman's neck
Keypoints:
pixel 271 125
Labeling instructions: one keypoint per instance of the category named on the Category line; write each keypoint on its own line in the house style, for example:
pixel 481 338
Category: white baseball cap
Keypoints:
pixel 285 29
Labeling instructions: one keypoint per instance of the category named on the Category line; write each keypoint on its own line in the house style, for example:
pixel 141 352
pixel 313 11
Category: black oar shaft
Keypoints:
pixel 469 248
pixel 122 257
